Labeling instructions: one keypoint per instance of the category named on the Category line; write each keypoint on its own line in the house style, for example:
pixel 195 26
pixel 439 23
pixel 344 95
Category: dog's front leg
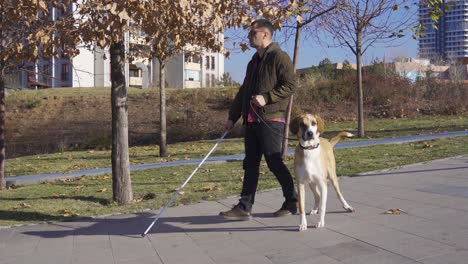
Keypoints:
pixel 323 203
pixel 301 193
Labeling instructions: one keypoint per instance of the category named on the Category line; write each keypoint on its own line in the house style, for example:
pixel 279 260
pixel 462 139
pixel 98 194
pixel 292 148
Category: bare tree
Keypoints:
pixel 306 12
pixel 359 25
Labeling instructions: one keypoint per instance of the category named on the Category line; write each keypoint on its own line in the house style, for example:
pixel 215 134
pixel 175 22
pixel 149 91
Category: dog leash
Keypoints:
pixel 266 124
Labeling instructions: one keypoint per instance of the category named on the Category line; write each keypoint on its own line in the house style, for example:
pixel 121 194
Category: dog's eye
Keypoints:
pixel 313 123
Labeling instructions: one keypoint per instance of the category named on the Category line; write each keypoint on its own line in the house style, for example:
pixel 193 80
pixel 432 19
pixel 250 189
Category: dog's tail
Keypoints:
pixel 338 137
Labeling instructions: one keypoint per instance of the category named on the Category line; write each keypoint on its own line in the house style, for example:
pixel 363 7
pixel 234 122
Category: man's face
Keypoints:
pixel 256 36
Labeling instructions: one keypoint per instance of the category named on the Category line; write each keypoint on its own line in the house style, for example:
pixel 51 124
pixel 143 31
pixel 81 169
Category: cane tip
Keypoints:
pixel 143 235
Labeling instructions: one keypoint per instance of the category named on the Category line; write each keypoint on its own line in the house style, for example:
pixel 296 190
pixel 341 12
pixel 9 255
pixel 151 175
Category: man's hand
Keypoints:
pixel 229 124
pixel 258 100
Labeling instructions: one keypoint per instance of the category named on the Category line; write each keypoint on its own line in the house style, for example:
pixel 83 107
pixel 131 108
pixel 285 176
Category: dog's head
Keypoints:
pixel 307 128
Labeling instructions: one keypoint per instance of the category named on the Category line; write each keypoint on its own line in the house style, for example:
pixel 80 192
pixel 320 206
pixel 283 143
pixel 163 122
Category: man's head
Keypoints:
pixel 261 32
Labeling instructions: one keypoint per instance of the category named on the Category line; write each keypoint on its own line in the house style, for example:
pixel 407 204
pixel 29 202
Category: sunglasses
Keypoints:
pixel 255 31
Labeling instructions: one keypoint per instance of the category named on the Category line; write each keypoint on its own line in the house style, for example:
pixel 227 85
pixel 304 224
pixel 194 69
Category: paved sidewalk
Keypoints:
pixel 433 228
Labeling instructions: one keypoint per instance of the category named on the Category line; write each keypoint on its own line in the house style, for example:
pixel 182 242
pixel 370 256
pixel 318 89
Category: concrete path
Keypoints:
pixel 34 179
pixel 432 228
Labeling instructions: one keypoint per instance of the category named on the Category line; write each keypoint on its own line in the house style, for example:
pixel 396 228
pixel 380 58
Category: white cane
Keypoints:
pixel 183 185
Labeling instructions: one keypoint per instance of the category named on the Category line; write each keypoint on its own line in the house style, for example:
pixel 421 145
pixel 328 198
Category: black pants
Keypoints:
pixel 261 139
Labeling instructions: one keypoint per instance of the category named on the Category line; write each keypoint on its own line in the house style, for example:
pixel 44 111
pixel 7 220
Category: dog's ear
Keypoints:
pixel 320 124
pixel 294 125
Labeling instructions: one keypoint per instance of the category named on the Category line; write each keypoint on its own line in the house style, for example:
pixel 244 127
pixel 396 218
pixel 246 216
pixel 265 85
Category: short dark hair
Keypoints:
pixel 264 23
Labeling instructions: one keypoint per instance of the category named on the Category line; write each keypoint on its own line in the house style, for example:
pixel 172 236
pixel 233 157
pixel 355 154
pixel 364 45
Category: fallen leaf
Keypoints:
pixel 79 187
pixel 22 206
pixel 67 213
pixel 393 211
pixel 56 195
pixel 103 190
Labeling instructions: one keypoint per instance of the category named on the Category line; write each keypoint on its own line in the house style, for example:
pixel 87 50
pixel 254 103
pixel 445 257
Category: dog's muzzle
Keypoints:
pixel 308 135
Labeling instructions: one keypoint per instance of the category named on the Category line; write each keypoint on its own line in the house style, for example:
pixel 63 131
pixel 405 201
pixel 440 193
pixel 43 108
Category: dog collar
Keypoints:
pixel 309 147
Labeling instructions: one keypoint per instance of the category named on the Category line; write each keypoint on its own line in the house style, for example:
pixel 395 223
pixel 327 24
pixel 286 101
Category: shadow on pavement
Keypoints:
pixel 135 226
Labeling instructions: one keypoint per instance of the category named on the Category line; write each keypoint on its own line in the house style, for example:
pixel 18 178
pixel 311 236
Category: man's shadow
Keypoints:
pixel 135 226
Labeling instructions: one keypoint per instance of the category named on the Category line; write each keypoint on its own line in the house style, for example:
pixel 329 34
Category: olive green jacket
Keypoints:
pixel 274 79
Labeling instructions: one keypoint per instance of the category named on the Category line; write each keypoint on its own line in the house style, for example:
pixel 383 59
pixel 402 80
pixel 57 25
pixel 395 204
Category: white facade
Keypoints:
pixel 193 68
pixel 91 68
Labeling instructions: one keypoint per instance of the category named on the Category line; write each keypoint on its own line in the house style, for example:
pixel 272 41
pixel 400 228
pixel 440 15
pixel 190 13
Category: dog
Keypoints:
pixel 314 162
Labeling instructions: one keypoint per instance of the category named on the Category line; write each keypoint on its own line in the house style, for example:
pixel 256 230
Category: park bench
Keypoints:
pixel 33 83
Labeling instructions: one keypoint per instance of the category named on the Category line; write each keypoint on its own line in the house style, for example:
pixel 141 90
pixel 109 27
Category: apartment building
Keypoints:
pixel 450 40
pixel 195 67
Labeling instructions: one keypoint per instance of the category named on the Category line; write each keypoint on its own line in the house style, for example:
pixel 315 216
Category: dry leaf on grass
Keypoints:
pixel 57 195
pixel 67 213
pixel 22 206
pixel 79 187
pixel 211 188
pixel 103 190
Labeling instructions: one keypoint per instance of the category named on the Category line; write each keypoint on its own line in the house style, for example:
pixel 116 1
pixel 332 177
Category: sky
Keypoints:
pixel 311 53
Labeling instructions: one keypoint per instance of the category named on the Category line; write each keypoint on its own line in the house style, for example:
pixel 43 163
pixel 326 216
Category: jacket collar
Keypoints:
pixel 273 46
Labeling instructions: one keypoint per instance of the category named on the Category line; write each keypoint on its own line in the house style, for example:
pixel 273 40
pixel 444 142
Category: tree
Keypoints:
pixel 358 25
pixel 226 80
pixel 26 34
pixel 105 24
pixel 196 24
pixel 192 25
pixel 305 13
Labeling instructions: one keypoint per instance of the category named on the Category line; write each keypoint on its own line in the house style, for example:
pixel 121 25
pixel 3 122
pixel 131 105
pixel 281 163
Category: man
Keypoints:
pixel 262 102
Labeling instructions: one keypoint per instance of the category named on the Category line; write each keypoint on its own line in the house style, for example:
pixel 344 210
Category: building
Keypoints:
pixel 449 42
pixel 193 68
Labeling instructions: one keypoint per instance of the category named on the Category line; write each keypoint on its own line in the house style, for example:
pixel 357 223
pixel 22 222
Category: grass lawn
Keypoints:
pixel 91 196
pixel 67 162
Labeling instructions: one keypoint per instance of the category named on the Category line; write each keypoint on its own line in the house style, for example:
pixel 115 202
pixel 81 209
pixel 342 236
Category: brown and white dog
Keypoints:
pixel 315 163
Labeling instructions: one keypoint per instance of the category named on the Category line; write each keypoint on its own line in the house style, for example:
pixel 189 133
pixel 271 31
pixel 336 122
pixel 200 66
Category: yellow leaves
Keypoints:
pixel 210 188
pixel 244 47
pixel 299 19
pixel 393 211
pixel 102 190
pixel 67 213
pixel 22 206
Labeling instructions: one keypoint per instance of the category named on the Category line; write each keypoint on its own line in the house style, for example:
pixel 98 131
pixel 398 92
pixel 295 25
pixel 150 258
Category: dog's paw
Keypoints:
pixel 302 227
pixel 314 212
pixel 319 224
pixel 349 209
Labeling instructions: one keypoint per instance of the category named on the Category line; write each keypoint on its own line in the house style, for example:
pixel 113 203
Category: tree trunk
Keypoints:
pixel 2 129
pixel 359 86
pixel 121 181
pixel 162 110
pixel 291 99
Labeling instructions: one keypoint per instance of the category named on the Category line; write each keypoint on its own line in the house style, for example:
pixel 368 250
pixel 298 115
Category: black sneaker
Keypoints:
pixel 286 209
pixel 236 213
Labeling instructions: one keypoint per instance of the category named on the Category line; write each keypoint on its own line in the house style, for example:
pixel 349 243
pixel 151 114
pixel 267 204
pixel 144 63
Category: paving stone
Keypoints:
pixel 457 257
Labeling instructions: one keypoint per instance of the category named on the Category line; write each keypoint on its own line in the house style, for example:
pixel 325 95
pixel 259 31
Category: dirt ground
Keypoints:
pixel 50 123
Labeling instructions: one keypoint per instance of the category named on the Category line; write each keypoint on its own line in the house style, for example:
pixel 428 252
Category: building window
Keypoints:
pixel 208 80
pixel 212 62
pixel 207 62
pixel 65 72
pixel 45 72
